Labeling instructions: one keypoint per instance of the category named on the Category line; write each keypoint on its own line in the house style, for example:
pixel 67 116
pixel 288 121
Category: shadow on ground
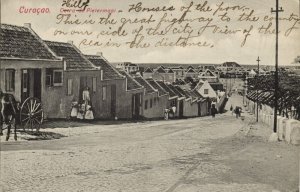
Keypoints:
pixel 41 135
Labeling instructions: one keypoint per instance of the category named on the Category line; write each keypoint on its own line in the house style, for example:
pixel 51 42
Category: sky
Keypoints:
pixel 225 47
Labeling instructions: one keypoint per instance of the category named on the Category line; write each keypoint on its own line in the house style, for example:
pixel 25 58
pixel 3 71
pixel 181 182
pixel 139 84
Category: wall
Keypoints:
pixel 190 109
pixel 157 110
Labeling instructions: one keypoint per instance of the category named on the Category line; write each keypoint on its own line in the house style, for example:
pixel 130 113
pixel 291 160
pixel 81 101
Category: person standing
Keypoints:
pixel 237 112
pixel 173 111
pixel 213 111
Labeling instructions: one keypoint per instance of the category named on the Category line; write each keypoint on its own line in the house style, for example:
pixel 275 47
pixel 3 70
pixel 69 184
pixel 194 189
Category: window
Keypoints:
pixel 146 104
pixel 10 80
pixel 94 84
pixel 104 93
pixel 70 87
pixel 57 77
pixel 205 91
pixel 54 77
pixel 150 103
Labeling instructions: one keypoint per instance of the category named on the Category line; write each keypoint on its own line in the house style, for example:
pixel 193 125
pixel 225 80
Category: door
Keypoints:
pixel 31 84
pixel 199 108
pixel 37 84
pixel 25 85
pixel 181 108
pixel 136 106
pixel 113 100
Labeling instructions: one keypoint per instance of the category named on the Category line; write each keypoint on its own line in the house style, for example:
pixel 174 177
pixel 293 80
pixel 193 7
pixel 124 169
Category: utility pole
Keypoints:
pixel 276 64
pixel 258 60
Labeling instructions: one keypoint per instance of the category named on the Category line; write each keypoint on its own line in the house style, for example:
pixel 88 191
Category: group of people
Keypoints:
pixel 83 109
pixel 171 110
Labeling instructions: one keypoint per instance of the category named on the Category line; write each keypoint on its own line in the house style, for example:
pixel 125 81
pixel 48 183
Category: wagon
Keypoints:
pixel 31 114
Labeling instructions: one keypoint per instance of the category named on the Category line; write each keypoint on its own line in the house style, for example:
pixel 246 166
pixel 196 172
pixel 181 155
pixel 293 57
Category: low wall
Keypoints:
pixel 287 129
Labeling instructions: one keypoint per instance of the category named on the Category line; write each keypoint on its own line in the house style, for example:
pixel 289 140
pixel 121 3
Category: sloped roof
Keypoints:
pixel 22 42
pixel 178 93
pixel 191 71
pixel 167 89
pixel 73 57
pixel 160 70
pixel 148 70
pixel 131 83
pixel 109 72
pixel 170 70
pixel 200 84
pixel 209 72
pixel 182 91
pixel 230 64
pixel 147 86
pixel 156 86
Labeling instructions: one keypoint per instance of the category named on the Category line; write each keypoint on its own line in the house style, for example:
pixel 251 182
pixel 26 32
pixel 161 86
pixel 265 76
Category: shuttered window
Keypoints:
pixel 10 80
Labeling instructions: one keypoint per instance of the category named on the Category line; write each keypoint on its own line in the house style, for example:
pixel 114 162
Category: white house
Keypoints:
pixel 204 88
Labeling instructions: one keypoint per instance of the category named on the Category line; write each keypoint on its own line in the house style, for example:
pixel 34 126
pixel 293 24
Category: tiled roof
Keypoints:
pixel 156 86
pixel 167 89
pixel 175 90
pixel 21 42
pixel 131 83
pixel 109 72
pixel 147 86
pixel 197 94
pixel 73 57
pixel 182 91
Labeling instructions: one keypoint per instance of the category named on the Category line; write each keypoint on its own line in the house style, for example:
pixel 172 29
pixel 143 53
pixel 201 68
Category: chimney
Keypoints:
pixel 70 42
pixel 28 25
pixel 101 75
pixel 99 54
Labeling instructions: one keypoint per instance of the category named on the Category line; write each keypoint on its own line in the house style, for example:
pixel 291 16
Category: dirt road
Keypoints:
pixel 199 154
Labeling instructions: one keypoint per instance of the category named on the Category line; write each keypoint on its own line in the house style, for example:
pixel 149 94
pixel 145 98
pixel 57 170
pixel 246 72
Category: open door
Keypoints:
pixel 31 85
pixel 113 100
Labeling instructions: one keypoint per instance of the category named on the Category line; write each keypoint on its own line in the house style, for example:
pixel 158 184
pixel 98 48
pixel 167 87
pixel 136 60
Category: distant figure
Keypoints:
pixel 166 114
pixel 173 110
pixel 213 111
pixel 237 112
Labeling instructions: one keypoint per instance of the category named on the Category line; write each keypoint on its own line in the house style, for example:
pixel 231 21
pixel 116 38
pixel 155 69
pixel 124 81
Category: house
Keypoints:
pixel 79 73
pixel 126 66
pixel 164 74
pixel 28 68
pixel 153 104
pixel 252 73
pixel 191 73
pixel 147 74
pixel 133 98
pixel 110 91
pixel 179 72
pixel 208 75
pixel 205 90
pixel 162 100
pixel 173 97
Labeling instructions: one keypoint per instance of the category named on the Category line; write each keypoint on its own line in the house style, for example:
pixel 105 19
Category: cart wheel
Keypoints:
pixel 31 114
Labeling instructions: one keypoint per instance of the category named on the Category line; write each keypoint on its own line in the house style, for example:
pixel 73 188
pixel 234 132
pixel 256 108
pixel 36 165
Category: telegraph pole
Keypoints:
pixel 258 60
pixel 276 64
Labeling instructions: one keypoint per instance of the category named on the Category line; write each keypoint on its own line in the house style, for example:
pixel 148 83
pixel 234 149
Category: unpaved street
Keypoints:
pixel 199 154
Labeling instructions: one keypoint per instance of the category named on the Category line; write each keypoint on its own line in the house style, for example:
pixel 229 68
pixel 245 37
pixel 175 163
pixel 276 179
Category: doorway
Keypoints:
pixel 31 85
